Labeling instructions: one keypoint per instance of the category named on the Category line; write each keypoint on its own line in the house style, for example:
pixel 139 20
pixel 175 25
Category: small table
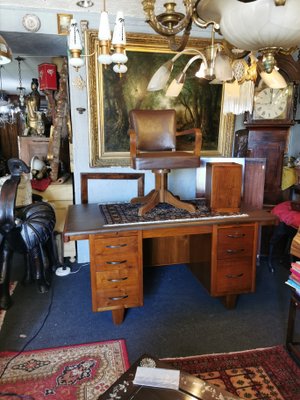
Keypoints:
pixel 190 387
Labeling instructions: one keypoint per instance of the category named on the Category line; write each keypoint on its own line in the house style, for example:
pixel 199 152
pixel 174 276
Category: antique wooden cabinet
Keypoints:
pixel 269 142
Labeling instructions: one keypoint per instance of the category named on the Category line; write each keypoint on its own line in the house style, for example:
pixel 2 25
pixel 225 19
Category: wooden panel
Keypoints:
pixel 86 177
pixel 166 250
pixel 269 143
pixel 30 146
pixel 254 182
pixel 224 186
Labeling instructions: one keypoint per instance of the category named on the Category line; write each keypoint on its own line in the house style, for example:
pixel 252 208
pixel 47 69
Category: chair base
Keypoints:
pixel 160 195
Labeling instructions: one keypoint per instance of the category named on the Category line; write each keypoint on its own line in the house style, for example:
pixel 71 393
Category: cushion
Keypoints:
pixel 285 214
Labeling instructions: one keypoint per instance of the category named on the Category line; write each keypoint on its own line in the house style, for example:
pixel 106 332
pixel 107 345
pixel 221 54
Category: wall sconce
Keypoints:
pixel 107 56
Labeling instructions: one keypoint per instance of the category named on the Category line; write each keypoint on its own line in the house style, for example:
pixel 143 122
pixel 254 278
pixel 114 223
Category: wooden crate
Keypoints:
pixel 223 188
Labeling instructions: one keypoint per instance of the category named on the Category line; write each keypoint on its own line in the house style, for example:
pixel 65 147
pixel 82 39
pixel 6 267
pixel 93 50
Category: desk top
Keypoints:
pixel 86 219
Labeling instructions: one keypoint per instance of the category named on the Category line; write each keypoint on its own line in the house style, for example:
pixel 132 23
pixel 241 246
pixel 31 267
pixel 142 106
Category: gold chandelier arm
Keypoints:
pixel 152 20
pixel 174 45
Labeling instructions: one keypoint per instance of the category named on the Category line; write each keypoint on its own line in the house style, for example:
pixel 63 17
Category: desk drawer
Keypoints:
pixel 116 245
pixel 235 242
pixel 235 277
pixel 127 296
pixel 117 277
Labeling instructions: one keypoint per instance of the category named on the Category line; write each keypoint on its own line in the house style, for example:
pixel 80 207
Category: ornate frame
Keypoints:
pixel 135 42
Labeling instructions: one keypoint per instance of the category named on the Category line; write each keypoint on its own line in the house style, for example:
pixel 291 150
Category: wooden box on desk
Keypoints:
pixel 223 188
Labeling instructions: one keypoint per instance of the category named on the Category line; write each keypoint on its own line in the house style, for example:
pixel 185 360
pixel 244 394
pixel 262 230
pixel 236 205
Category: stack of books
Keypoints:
pixel 294 278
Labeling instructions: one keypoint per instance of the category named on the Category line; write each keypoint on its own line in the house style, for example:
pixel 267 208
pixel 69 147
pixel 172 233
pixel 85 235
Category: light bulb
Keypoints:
pixel 104 59
pixel 119 58
pixel 120 68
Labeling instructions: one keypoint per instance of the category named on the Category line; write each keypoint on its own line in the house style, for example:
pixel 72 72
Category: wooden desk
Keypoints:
pixel 220 252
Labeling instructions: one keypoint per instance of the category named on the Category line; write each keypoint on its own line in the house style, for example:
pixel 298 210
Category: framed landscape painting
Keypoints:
pixel 111 97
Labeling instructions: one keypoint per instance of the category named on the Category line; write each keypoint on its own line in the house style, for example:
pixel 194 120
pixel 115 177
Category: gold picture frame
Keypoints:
pixel 102 153
pixel 63 23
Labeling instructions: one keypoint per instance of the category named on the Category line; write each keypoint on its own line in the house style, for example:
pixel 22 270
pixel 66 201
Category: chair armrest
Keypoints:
pixel 132 136
pixel 198 138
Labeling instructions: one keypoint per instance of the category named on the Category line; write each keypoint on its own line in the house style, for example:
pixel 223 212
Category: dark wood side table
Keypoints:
pixel 190 387
pixel 292 346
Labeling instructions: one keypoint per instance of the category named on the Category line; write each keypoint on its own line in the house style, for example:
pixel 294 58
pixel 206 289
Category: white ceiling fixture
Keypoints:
pixel 259 28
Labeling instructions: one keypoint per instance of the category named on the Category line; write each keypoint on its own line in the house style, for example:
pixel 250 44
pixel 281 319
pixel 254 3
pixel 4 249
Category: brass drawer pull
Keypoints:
pixel 230 251
pixel 230 276
pixel 236 235
pixel 118 298
pixel 116 262
pixel 117 246
pixel 118 280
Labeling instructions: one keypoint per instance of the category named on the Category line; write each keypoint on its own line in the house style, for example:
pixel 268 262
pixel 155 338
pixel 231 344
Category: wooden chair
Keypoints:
pixel 153 147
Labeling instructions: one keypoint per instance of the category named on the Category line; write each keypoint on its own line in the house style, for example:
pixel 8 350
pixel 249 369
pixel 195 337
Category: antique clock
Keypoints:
pixel 268 127
pixel 272 105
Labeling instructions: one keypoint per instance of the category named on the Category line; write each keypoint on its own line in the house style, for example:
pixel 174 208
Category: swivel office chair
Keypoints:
pixel 153 147
pixel 27 230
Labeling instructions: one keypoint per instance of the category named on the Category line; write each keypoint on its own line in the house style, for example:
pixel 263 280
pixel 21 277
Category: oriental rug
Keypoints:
pixel 262 374
pixel 80 372
pixel 12 287
pixel 127 213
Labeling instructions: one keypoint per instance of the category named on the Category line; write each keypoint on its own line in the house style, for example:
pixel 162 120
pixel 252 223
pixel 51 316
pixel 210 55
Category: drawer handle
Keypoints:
pixel 116 246
pixel 231 276
pixel 230 251
pixel 116 262
pixel 118 298
pixel 118 280
pixel 236 235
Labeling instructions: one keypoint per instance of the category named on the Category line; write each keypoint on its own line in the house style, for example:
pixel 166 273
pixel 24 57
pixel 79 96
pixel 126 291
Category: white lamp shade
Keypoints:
pixel 76 62
pixel 119 58
pixel 201 71
pixel 74 36
pixel 274 80
pixel 119 36
pixel 223 69
pixel 259 24
pixel 174 89
pixel 104 30
pixel 160 77
pixel 5 52
pixel 105 59
pixel 120 68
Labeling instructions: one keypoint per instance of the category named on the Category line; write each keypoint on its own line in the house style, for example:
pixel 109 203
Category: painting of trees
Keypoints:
pixel 198 105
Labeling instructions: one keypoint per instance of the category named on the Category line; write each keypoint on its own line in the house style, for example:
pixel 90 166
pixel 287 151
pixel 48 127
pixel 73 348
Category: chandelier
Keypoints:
pixel 112 49
pixel 21 89
pixel 253 31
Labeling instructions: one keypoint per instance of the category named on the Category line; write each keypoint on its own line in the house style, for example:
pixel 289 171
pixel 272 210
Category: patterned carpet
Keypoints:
pixel 262 374
pixel 126 213
pixel 79 372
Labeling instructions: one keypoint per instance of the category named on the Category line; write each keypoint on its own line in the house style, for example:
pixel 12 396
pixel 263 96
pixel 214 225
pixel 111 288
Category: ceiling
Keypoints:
pixel 39 48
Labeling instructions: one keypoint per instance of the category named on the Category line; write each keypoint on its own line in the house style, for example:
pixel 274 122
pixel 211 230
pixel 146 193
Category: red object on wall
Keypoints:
pixel 47 76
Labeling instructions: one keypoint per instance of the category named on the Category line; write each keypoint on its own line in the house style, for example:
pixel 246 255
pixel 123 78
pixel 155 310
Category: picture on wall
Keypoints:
pixel 198 105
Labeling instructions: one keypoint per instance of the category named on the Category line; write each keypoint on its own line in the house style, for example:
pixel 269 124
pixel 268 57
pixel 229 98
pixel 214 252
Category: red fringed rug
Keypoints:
pixel 80 372
pixel 264 374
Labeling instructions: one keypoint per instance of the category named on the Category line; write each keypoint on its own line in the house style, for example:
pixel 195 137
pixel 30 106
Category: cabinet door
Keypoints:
pixel 270 143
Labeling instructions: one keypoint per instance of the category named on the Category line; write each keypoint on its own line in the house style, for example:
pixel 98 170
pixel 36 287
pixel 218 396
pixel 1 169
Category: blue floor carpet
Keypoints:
pixel 178 318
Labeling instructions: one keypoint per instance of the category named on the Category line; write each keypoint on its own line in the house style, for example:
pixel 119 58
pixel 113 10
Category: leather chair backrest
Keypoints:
pixel 155 129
